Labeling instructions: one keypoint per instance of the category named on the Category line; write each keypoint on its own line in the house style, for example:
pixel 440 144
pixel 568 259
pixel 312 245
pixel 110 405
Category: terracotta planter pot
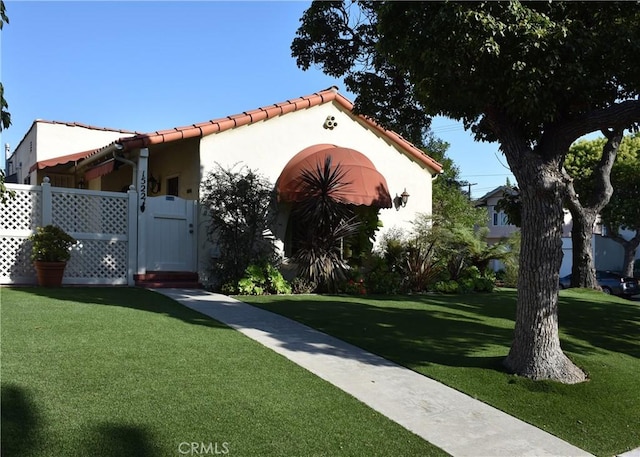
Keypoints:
pixel 50 273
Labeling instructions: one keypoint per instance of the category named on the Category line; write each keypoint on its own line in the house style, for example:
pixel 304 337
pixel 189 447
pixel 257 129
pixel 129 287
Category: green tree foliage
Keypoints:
pixel 238 202
pixel 534 77
pixel 451 207
pixel 5 120
pixel 5 116
pixel 511 206
pixel 449 204
pixel 623 210
pixel 511 260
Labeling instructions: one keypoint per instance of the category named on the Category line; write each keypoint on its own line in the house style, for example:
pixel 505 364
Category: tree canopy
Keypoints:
pixel 623 210
pixel 5 116
pixel 534 77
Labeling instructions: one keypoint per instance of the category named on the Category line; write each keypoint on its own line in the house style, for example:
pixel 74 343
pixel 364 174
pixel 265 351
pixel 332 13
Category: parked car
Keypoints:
pixel 610 282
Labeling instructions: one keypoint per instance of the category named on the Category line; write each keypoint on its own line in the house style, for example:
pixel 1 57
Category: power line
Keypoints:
pixel 482 176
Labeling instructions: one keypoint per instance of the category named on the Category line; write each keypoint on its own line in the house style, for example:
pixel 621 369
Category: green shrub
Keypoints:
pixel 229 288
pixel 262 279
pixel 485 284
pixel 239 205
pixel 300 285
pixel 466 286
pixel 279 285
pixel 471 272
pixel 352 287
pixel 51 244
pixel 446 287
pixel 354 283
pixel 381 276
pixel 384 282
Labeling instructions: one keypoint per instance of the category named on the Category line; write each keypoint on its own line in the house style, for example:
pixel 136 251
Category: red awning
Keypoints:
pixel 100 170
pixel 366 185
pixel 62 160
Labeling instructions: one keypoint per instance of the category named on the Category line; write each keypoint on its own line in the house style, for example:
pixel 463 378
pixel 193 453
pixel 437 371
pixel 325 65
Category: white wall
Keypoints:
pixel 24 156
pixel 55 140
pixel 267 147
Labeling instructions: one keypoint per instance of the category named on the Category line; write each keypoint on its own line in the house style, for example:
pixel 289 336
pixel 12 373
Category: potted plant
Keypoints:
pixel 50 252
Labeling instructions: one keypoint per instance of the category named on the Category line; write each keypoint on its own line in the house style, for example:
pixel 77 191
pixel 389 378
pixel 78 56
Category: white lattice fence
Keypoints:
pixel 104 223
pixel 20 217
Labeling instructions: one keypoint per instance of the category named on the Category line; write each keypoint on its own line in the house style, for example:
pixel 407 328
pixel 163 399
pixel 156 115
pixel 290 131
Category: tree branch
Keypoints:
pixel 618 116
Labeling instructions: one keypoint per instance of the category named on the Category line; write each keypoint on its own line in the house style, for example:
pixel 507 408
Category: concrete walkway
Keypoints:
pixel 443 416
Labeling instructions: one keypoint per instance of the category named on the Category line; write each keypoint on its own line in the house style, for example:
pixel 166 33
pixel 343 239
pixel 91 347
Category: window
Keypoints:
pixel 172 186
pixel 499 218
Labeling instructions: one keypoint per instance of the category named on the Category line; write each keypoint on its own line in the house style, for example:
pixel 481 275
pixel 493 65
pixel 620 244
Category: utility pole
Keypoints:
pixel 469 184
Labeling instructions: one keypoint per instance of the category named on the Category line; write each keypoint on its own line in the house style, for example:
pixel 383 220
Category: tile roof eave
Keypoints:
pixel 405 145
pixel 248 117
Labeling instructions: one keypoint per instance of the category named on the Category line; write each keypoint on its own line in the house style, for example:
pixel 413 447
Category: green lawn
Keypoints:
pixel 461 341
pixel 128 372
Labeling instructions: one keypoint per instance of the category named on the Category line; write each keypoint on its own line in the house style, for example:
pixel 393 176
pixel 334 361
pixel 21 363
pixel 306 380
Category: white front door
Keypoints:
pixel 170 235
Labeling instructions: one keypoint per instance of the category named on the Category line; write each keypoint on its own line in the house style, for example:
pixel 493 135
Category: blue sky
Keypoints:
pixel 154 65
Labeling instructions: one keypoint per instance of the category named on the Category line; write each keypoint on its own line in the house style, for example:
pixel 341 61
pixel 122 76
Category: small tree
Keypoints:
pixel 239 203
pixel 324 220
pixel 589 190
pixel 623 210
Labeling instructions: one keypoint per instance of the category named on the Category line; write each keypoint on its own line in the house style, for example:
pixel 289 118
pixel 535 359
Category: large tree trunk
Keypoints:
pixel 583 272
pixel 535 351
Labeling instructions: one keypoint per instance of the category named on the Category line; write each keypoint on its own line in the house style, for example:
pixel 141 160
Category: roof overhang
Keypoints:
pixel 69 160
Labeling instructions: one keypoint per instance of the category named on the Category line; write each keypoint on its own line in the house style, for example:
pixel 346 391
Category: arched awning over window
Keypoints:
pixel 366 185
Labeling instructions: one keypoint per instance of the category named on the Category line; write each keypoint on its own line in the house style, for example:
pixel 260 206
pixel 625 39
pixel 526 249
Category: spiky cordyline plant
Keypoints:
pixel 324 219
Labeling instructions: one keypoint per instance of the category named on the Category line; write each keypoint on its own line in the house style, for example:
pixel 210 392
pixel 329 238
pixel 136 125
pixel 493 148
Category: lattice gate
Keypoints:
pixel 104 223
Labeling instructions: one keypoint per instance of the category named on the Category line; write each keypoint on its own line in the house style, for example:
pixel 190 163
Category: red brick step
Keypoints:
pixel 168 279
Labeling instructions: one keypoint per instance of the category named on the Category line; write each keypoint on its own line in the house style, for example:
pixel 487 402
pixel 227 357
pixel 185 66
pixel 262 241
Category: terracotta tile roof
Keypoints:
pixel 268 112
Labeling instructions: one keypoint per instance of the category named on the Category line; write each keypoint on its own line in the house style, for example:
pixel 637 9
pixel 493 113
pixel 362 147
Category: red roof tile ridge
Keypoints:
pixel 234 120
pixel 201 129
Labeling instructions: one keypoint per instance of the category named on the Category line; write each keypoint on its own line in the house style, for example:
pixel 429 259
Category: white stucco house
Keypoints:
pixel 166 167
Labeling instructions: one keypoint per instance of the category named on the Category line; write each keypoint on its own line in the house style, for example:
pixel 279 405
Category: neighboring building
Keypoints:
pixel 607 254
pixel 498 223
pixel 274 141
pixel 51 143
